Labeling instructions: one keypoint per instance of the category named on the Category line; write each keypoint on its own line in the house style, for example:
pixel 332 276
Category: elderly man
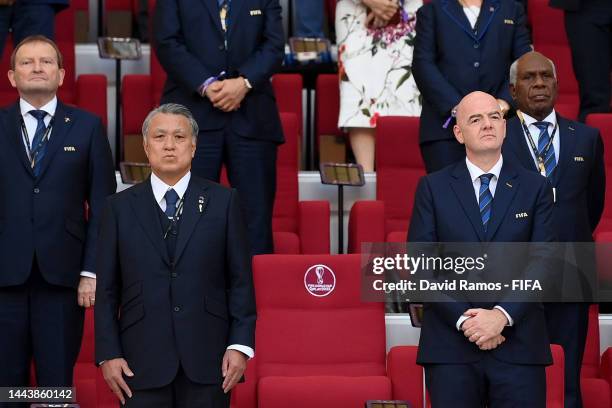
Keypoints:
pixel 176 310
pixel 570 155
pixel 479 354
pixel 54 159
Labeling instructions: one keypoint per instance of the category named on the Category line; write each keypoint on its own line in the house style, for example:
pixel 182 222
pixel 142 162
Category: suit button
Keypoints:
pixel 177 308
pixel 221 47
pixel 36 190
pixel 174 274
pixel 476 64
pixel 476 45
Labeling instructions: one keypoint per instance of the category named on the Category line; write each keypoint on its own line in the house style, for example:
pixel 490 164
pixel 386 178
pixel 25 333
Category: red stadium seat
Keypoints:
pixel 87 91
pixel 603 122
pixel 326 351
pixel 399 167
pixel 549 38
pixel 300 227
pixel 85 368
pixel 327 106
pixel 596 377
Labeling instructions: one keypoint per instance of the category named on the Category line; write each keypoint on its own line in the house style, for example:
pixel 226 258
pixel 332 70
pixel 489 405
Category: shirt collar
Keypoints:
pixel 551 118
pixel 476 172
pixel 49 107
pixel 160 188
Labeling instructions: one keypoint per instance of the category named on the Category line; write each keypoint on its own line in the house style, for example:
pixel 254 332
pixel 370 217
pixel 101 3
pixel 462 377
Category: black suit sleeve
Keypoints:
pixel 597 184
pixel 423 229
pixel 108 343
pixel 241 297
pixel 102 183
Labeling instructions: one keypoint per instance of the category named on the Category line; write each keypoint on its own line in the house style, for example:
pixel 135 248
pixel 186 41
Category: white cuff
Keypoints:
pixel 243 349
pixel 510 321
pixel 461 320
pixel 88 274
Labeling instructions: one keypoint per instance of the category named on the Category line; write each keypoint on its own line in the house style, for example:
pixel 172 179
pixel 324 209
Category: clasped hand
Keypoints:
pixel 227 95
pixel 484 327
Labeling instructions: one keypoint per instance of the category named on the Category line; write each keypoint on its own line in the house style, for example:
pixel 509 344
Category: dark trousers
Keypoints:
pixel 567 325
pixel 487 383
pixel 589 32
pixel 251 169
pixel 43 322
pixel 441 153
pixel 26 19
pixel 181 393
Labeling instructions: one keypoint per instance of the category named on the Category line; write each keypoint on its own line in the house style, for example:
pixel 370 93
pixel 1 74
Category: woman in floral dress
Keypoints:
pixel 375 43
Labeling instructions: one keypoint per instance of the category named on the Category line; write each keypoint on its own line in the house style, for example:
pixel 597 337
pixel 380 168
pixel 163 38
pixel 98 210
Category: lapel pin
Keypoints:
pixel 66 119
pixel 508 184
pixel 571 128
pixel 491 9
pixel 201 204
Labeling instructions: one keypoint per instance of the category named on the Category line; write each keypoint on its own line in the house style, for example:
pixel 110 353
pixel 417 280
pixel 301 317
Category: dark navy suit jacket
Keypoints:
pixel 190 45
pixel 156 313
pixel 452 60
pixel 446 210
pixel 579 180
pixel 45 215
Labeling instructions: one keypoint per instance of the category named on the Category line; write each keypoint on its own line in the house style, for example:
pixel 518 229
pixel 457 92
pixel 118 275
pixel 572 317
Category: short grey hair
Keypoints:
pixel 514 69
pixel 171 109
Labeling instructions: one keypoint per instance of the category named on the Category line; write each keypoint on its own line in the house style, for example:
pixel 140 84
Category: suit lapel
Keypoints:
pixel 504 194
pixel 456 14
pixel 145 210
pixel 567 143
pixel 234 12
pixel 15 137
pixel 517 143
pixel 464 189
pixel 487 12
pixel 62 123
pixel 213 9
pixel 195 197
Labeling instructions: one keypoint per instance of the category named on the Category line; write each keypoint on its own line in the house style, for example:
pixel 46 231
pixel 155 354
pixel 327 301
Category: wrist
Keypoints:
pixel 247 83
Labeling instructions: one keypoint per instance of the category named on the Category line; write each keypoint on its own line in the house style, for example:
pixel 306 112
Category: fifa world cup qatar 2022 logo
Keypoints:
pixel 319 280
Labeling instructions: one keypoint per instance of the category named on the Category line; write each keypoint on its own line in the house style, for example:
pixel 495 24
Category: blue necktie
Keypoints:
pixel 550 161
pixel 39 147
pixel 171 198
pixel 485 199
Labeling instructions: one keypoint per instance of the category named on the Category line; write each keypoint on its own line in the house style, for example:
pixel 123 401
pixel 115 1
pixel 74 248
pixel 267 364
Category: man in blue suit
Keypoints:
pixel 219 56
pixel 54 159
pixel 28 17
pixel 176 309
pixel 461 47
pixel 479 354
pixel 570 155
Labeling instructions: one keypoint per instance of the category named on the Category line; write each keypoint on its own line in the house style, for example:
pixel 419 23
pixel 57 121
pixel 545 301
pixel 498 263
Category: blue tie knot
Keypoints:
pixel 171 197
pixel 543 126
pixel 38 114
pixel 485 179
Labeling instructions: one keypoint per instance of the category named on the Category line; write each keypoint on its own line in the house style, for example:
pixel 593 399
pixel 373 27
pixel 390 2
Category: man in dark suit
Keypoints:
pixel 572 159
pixel 588 24
pixel 176 309
pixel 53 160
pixel 480 354
pixel 462 46
pixel 219 56
pixel 28 17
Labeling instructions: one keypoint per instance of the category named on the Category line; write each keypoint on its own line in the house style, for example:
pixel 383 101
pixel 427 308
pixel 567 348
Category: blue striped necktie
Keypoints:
pixel 550 162
pixel 39 146
pixel 485 199
pixel 171 197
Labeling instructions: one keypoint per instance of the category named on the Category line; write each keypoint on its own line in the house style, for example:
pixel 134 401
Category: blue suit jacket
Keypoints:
pixel 189 43
pixel 45 215
pixel 579 180
pixel 156 313
pixel 446 210
pixel 452 60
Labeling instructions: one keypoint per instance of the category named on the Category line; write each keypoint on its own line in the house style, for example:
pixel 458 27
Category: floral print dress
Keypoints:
pixel 375 65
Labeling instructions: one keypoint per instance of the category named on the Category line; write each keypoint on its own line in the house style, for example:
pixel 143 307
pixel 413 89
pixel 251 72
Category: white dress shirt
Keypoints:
pixel 31 123
pixel 535 133
pixel 475 173
pixel 159 191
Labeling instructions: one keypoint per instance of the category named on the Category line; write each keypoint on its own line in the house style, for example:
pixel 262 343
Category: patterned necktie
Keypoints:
pixel 550 161
pixel 485 199
pixel 224 13
pixel 171 198
pixel 39 146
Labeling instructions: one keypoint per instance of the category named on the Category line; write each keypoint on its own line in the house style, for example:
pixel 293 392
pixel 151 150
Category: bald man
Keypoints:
pixel 478 354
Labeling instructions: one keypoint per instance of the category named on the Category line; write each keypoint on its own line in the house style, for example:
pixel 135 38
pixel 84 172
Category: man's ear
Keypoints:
pixel 513 91
pixel 458 134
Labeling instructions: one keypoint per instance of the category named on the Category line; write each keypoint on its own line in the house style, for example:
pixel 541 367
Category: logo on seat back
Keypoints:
pixel 319 280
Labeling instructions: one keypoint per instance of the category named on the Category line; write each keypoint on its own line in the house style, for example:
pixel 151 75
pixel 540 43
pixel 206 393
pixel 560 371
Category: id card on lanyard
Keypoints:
pixel 539 156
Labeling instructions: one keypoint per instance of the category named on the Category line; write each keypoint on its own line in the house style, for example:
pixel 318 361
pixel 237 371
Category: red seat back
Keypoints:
pixel 285 215
pixel 327 106
pixel 603 122
pixel 399 167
